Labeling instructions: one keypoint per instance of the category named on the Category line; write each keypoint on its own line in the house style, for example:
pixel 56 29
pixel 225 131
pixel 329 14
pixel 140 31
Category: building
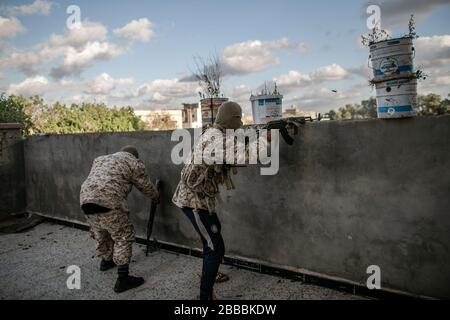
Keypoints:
pixel 267 106
pixel 192 115
pixel 209 109
pixel 247 119
pixel 168 119
pixel 294 112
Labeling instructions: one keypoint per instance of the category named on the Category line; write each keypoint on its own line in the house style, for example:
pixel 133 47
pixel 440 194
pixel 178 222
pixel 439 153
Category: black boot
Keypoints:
pixel 125 281
pixel 106 265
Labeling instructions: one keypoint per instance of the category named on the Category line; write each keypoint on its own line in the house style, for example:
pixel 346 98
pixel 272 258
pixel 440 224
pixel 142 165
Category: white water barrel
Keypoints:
pixel 396 98
pixel 266 108
pixel 392 57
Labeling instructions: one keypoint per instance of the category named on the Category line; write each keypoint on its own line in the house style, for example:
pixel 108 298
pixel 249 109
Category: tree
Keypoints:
pixel 350 111
pixel 12 111
pixel 445 105
pixel 333 115
pixel 37 117
pixel 209 75
pixel 369 108
pixel 429 104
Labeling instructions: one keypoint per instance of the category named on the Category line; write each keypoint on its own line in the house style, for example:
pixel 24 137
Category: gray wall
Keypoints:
pixel 349 194
pixel 12 179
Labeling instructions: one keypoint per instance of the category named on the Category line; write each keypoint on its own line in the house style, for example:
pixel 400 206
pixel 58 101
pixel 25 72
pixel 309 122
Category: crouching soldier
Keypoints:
pixel 199 185
pixel 103 199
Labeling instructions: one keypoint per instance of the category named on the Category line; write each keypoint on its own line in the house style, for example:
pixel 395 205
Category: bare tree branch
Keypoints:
pixel 209 75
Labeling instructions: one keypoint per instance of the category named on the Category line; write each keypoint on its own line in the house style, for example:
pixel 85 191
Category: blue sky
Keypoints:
pixel 136 52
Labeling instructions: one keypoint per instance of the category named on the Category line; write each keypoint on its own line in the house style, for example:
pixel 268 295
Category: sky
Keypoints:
pixel 141 53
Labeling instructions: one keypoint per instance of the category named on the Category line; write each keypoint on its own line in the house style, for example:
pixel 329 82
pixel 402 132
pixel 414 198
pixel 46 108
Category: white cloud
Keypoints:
pixel 158 97
pixel 10 27
pixel 75 61
pixel 136 30
pixel 159 93
pixel 432 51
pixel 78 37
pixel 42 7
pixel 437 81
pixel 28 61
pixel 331 72
pixel 37 85
pixel 295 79
pixel 72 52
pixel 173 88
pixel 254 55
pixel 104 84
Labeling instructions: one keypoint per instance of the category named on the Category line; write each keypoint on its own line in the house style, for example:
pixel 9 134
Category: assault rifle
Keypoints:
pixel 287 126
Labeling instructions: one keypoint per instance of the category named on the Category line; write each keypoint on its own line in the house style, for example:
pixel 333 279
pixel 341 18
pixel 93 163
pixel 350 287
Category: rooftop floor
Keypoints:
pixel 33 265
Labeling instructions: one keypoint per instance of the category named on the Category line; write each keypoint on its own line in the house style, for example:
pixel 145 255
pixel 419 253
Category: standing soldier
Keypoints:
pixel 103 199
pixel 198 188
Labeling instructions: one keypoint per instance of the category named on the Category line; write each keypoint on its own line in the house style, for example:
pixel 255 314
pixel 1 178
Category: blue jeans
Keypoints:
pixel 208 227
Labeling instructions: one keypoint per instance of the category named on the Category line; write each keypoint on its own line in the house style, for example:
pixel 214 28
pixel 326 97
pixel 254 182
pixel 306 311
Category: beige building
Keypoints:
pixel 170 119
pixel 294 111
pixel 156 120
pixel 192 115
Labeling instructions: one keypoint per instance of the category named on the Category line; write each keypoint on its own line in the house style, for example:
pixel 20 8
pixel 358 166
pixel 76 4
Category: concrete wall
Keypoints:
pixel 348 195
pixel 12 179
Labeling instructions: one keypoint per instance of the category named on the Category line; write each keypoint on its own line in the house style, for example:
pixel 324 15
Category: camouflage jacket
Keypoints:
pixel 199 183
pixel 112 178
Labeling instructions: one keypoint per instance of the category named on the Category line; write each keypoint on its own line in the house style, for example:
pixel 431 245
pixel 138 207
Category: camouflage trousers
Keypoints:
pixel 113 234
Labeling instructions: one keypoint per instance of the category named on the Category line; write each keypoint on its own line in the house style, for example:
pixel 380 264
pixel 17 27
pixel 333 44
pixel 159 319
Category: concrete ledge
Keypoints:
pixel 10 126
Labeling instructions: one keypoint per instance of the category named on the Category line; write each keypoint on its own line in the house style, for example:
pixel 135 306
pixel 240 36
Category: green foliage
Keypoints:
pixel 58 118
pixel 13 112
pixel 429 104
pixel 366 110
pixel 445 105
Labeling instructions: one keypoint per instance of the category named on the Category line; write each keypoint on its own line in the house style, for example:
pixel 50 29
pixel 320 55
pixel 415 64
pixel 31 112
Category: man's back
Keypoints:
pixel 111 179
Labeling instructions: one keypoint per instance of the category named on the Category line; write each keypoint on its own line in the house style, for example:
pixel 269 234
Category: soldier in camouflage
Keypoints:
pixel 199 186
pixel 103 199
